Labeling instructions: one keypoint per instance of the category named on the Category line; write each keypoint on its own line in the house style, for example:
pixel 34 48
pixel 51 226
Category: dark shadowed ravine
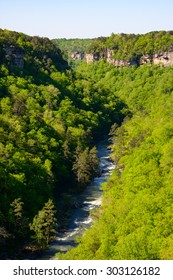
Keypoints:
pixel 81 219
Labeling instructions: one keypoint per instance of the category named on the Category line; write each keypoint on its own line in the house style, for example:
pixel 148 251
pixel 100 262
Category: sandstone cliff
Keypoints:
pixel 164 58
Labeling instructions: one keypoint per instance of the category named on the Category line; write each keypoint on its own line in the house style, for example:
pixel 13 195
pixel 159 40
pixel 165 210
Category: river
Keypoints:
pixel 81 218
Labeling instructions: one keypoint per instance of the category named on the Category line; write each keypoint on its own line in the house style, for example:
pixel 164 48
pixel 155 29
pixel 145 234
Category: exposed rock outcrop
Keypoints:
pixel 92 57
pixel 89 57
pixel 165 58
pixel 16 55
pixel 116 62
pixel 77 55
pixel 146 58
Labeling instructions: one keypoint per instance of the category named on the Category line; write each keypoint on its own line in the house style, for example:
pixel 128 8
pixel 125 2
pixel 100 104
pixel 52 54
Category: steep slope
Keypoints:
pixel 49 120
pixel 124 49
pixel 135 220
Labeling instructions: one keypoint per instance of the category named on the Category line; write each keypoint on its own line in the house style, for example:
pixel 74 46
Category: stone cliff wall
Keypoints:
pixel 165 58
pixel 77 55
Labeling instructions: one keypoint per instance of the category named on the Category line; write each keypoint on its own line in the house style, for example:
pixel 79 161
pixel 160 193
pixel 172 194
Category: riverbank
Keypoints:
pixel 81 219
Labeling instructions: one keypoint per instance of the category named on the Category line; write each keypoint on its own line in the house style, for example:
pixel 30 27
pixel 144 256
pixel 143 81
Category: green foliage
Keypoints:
pixel 18 221
pixel 22 53
pixel 129 47
pixel 85 165
pixel 72 45
pixel 69 46
pixel 50 118
pixel 44 225
pixel 46 109
pixel 135 219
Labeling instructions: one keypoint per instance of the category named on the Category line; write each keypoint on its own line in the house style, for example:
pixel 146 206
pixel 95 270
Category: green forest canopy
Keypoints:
pixel 50 118
pixel 129 47
pixel 135 220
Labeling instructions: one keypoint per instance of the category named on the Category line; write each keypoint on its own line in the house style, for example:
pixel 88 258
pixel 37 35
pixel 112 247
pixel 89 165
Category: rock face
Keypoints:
pixel 165 58
pixel 89 57
pixel 92 57
pixel 16 55
pixel 146 58
pixel 77 55
pixel 116 62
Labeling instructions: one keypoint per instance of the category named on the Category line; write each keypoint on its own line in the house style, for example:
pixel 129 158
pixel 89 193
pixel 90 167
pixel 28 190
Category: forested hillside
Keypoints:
pixel 68 46
pixel 50 118
pixel 135 220
pixel 121 49
pixel 131 46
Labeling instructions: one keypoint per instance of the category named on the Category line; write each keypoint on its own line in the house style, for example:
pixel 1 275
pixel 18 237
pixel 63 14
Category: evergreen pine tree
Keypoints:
pixel 18 223
pixel 93 159
pixel 44 225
